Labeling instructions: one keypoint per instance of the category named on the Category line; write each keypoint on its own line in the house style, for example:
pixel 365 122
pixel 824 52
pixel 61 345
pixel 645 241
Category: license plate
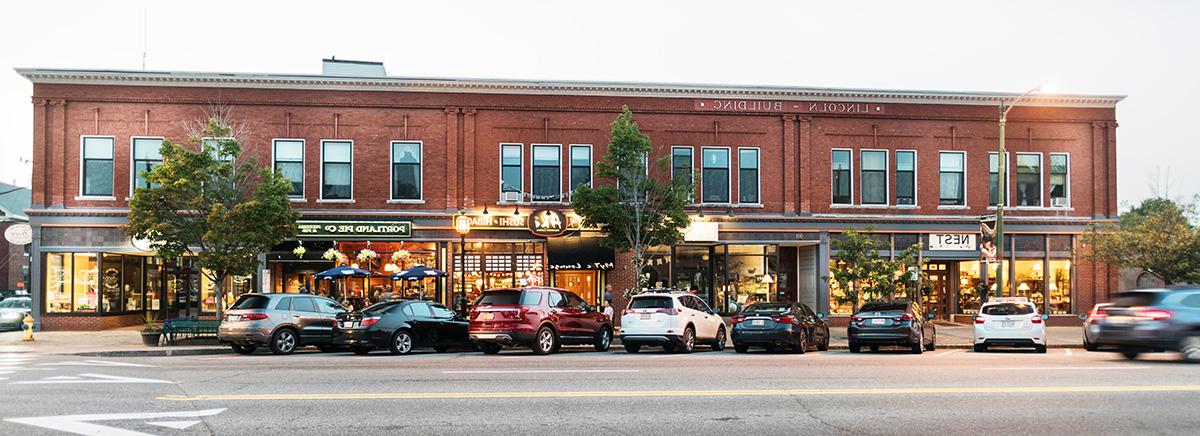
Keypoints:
pixel 1119 320
pixel 757 322
pixel 347 324
pixel 878 321
pixel 1008 324
pixel 644 316
pixel 233 318
pixel 487 315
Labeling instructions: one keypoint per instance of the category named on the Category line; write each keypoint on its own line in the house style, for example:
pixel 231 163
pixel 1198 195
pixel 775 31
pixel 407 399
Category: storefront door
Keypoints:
pixel 582 283
pixel 935 293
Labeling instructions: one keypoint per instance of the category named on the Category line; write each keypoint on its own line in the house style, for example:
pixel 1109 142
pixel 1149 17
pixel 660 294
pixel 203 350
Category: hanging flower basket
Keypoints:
pixel 367 254
pixel 299 251
pixel 333 254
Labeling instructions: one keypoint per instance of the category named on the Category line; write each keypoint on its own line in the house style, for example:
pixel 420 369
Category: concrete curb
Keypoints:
pixel 151 352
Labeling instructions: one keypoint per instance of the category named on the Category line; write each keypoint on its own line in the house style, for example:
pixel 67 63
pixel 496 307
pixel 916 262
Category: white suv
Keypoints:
pixel 1011 321
pixel 676 321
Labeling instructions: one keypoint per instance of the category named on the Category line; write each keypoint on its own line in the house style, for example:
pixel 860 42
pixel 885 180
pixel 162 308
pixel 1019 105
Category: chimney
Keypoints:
pixel 347 68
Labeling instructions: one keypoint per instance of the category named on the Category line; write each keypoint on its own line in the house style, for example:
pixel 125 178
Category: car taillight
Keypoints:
pixel 671 311
pixel 979 320
pixel 520 314
pixel 1099 315
pixel 254 316
pixel 628 311
pixel 787 319
pixel 856 318
pixel 367 322
pixel 1155 314
pixel 905 317
pixel 736 319
pixel 1036 319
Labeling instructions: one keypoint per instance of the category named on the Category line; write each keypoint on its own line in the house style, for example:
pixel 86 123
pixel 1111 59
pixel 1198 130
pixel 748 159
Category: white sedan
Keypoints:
pixel 1012 322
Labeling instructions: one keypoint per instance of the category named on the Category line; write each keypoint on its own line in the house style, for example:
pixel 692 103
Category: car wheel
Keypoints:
pixel 490 348
pixel 854 347
pixel 824 345
pixel 689 341
pixel 1040 349
pixel 545 342
pixel 980 348
pixel 932 343
pixel 243 349
pixel 669 347
pixel 1089 346
pixel 801 345
pixel 770 348
pixel 402 343
pixel 741 348
pixel 1189 347
pixel 603 339
pixel 326 348
pixel 632 348
pixel 874 348
pixel 918 346
pixel 1130 354
pixel 719 343
pixel 283 341
pixel 441 349
pixel 362 351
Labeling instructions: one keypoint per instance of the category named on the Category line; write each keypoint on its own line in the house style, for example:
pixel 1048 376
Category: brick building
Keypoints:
pixel 385 163
pixel 14 260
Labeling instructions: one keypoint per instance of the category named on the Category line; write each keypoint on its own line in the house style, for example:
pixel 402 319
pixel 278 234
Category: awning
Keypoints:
pixel 578 253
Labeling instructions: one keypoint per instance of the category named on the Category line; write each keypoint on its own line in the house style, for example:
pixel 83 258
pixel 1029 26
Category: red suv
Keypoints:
pixel 540 318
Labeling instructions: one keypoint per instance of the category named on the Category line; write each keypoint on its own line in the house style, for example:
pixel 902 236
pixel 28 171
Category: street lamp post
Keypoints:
pixel 462 224
pixel 1002 190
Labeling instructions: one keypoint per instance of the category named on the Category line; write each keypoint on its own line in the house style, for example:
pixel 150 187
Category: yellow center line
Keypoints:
pixel 690 393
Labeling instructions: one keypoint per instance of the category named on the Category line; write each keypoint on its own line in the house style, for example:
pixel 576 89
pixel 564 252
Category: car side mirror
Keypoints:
pixel 821 315
pixel 1045 316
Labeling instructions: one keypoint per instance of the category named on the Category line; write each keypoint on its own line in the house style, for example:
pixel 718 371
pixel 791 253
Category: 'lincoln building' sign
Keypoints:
pixel 819 107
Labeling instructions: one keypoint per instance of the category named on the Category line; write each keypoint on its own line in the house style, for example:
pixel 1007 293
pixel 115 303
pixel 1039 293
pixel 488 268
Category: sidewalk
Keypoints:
pixel 111 343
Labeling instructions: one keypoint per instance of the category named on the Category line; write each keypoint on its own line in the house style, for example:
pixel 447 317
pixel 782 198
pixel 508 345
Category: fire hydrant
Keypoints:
pixel 28 321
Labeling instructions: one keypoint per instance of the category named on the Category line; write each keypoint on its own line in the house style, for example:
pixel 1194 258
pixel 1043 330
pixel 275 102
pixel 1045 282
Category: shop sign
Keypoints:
pixel 603 266
pixel 547 222
pixel 700 231
pixel 951 241
pixel 19 234
pixel 536 220
pixel 360 229
pixel 821 107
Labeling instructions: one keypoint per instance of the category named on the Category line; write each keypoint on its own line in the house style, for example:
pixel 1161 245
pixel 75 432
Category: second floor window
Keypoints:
pixel 841 176
pixel 681 162
pixel 547 173
pixel 951 181
pixel 1059 179
pixel 1029 179
pixel 97 166
pixel 874 177
pixel 337 173
pixel 748 176
pixel 581 165
pixel 510 168
pixel 715 175
pixel 289 161
pixel 906 178
pixel 146 157
pixel 406 170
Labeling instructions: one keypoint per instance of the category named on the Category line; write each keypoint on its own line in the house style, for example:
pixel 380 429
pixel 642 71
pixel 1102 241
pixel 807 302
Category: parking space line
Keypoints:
pixel 1068 351
pixel 948 352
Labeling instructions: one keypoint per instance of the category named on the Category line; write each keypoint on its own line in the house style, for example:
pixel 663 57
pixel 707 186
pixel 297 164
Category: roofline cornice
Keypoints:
pixel 546 87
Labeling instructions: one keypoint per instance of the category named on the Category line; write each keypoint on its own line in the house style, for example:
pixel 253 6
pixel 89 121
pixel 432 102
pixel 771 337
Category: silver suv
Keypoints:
pixel 281 322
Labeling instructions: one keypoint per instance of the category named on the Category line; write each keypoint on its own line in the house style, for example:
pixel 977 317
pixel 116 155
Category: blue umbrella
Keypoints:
pixel 342 272
pixel 418 272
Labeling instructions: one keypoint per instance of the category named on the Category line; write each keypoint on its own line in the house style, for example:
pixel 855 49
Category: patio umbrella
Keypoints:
pixel 342 272
pixel 418 272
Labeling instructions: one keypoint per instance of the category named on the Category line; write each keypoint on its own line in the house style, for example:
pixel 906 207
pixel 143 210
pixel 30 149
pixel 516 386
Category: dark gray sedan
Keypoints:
pixel 1152 320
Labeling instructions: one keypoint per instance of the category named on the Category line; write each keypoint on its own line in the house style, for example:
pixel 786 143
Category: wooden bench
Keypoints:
pixel 178 328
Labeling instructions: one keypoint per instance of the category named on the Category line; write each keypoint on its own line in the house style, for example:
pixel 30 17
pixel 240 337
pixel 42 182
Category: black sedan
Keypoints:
pixel 900 323
pixel 401 326
pixel 792 326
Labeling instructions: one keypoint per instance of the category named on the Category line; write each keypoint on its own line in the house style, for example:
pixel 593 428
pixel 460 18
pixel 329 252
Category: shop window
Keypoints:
pixel 337 172
pixel 510 169
pixel 751 275
pixel 581 166
pixel 147 156
pixel 951 178
pixel 547 173
pixel 1060 180
pixel 1028 277
pixel 406 170
pixel 1059 290
pixel 970 287
pixel 714 176
pixel 85 282
pixel 906 178
pixel 131 278
pixel 1029 179
pixel 681 163
pixel 110 283
pixel 692 268
pixel 1008 276
pixel 905 240
pixel 289 161
pixel 994 178
pixel 748 176
pixel 155 284
pixel 58 283
pixel 873 177
pixel 842 185
pixel 97 177
pixel 1029 243
pixel 1060 243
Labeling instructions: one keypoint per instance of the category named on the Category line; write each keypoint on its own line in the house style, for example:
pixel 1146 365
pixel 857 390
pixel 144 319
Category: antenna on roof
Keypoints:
pixel 145 14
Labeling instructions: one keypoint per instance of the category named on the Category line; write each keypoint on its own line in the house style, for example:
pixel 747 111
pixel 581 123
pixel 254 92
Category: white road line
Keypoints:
pixel 92 378
pixel 95 363
pixel 537 371
pixel 1066 368
pixel 948 352
pixel 85 424
pixel 1068 351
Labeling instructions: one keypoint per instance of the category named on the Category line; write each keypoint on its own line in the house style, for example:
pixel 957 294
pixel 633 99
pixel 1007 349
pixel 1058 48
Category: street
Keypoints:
pixel 1068 391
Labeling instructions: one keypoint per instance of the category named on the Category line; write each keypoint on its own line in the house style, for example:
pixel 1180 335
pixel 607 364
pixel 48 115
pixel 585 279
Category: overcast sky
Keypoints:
pixel 1144 49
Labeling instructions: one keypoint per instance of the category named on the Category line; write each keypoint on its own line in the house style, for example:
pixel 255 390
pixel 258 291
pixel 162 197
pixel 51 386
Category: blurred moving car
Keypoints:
pixel 779 325
pixel 282 322
pixel 1151 320
pixel 673 320
pixel 900 323
pixel 1009 321
pixel 540 318
pixel 13 311
pixel 401 326
pixel 1091 326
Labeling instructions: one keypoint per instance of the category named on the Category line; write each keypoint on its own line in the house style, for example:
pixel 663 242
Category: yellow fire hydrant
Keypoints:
pixel 28 321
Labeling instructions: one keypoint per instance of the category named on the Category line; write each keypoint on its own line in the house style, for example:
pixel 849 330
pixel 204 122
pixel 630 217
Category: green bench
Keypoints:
pixel 178 328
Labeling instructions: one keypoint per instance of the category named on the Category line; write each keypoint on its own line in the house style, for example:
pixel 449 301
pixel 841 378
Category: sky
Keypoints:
pixel 1146 50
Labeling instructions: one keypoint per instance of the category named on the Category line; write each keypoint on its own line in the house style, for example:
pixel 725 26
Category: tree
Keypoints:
pixel 858 264
pixel 1158 236
pixel 641 210
pixel 208 200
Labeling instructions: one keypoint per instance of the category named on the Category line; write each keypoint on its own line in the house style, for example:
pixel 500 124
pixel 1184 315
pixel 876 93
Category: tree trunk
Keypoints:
pixel 218 296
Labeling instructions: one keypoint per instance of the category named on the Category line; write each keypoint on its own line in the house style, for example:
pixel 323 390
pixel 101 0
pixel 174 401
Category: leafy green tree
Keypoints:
pixel 208 200
pixel 863 275
pixel 644 208
pixel 1158 236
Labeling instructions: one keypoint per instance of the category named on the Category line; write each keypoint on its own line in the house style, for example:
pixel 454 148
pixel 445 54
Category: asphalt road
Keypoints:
pixel 582 392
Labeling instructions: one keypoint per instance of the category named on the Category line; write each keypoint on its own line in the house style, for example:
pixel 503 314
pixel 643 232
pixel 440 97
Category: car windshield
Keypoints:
pixel 499 298
pixel 10 303
pixel 767 308
pixel 1008 309
pixel 1135 299
pixel 651 303
pixel 251 302
pixel 885 306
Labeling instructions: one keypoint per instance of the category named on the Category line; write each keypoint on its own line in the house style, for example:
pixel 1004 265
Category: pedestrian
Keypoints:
pixel 608 297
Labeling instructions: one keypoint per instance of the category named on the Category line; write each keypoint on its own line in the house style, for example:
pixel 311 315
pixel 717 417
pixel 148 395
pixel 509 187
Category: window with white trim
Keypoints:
pixel 581 166
pixel 214 149
pixel 842 185
pixel 97 166
pixel 406 170
pixel 952 181
pixel 510 168
pixel 147 156
pixel 873 178
pixel 289 161
pixel 748 176
pixel 337 172
pixel 714 175
pixel 906 178
pixel 547 173
pixel 1029 179
pixel 1060 179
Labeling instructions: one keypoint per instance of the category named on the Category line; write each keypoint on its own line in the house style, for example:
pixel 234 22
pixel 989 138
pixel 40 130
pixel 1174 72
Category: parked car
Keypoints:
pixel 12 312
pixel 675 321
pixel 779 325
pixel 1091 325
pixel 401 326
pixel 281 322
pixel 1152 320
pixel 900 323
pixel 540 318
pixel 1009 321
